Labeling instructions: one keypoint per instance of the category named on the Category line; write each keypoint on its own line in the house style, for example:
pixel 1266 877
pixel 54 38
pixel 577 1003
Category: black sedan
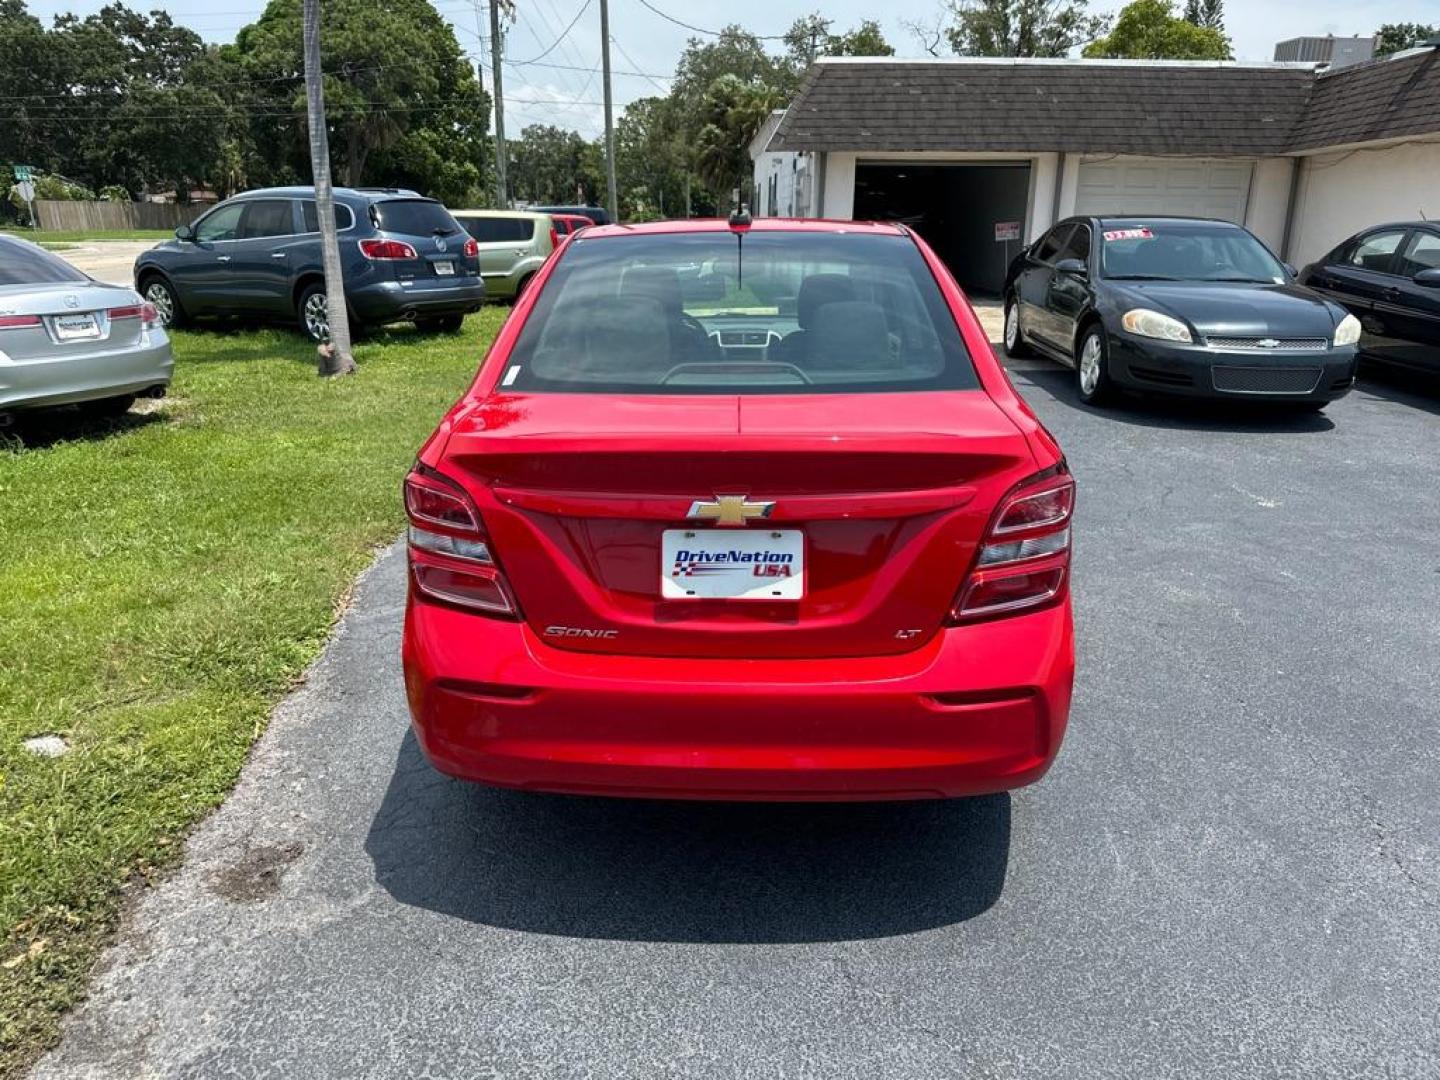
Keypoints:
pixel 1182 306
pixel 1388 277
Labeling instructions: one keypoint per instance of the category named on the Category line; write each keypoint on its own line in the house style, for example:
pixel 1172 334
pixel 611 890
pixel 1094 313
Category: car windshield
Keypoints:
pixel 715 313
pixel 1188 251
pixel 414 217
pixel 21 264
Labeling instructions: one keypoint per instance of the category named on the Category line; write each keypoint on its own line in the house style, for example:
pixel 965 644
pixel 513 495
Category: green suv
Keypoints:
pixel 513 245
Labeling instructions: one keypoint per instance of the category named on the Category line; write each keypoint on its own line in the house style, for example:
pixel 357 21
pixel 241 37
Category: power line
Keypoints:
pixel 651 79
pixel 558 40
pixel 701 29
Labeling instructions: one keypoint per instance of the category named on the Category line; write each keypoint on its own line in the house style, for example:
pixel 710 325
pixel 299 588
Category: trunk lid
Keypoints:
pixel 74 320
pixel 578 490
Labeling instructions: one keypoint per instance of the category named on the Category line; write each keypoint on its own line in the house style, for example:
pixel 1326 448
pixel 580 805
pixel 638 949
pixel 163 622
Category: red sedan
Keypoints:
pixel 740 511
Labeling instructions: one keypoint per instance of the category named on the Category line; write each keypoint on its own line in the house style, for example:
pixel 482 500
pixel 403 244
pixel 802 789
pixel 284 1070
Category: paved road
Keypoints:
pixel 1231 872
pixel 107 260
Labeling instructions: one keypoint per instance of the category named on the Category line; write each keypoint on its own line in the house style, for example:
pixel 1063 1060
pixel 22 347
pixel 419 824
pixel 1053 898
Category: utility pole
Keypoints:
pixel 335 358
pixel 612 202
pixel 497 45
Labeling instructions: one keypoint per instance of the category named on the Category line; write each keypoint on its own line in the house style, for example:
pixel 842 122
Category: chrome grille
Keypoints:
pixel 1265 380
pixel 1270 344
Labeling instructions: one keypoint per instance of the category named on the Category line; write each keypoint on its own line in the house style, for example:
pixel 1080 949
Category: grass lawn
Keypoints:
pixel 165 579
pixel 46 237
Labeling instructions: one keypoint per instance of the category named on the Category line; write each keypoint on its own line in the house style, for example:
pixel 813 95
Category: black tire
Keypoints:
pixel 521 287
pixel 109 407
pixel 314 322
pixel 1308 406
pixel 1014 341
pixel 1093 383
pixel 158 291
pixel 441 324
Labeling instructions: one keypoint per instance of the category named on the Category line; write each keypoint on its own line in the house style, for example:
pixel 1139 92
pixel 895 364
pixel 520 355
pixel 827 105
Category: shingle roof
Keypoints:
pixel 1384 99
pixel 1105 106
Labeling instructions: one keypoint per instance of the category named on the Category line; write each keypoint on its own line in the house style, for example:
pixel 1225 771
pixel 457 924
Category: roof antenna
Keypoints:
pixel 740 223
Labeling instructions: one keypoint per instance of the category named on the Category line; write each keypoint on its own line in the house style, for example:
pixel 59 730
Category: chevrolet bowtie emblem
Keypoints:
pixel 730 510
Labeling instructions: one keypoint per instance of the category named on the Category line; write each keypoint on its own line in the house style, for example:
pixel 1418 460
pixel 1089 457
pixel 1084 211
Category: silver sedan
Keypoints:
pixel 68 339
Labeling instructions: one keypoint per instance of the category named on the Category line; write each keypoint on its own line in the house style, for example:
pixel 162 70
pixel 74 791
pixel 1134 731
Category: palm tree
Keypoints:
pixel 335 358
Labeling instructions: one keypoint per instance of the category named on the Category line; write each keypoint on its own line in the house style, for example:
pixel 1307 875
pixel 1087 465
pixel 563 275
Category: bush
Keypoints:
pixel 115 193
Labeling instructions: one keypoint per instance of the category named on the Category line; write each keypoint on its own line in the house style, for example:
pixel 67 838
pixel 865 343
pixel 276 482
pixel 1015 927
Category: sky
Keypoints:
pixel 558 83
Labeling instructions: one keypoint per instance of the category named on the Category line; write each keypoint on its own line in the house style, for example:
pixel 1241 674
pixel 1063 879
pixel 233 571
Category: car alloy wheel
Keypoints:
pixel 159 296
pixel 317 317
pixel 1014 340
pixel 1090 365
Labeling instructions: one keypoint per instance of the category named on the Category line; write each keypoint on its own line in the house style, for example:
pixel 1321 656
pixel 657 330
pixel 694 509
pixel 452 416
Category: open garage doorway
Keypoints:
pixel 955 208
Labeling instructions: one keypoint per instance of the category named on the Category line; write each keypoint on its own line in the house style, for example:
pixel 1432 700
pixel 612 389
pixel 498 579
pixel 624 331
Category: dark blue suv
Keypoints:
pixel 402 257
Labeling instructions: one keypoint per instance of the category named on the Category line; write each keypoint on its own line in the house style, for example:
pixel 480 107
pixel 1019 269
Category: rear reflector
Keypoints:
pixel 481 589
pixel 16 322
pixel 387 249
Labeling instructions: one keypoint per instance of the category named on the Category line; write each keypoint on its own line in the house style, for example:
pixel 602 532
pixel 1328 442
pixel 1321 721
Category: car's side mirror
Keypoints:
pixel 1429 278
pixel 184 232
pixel 1073 267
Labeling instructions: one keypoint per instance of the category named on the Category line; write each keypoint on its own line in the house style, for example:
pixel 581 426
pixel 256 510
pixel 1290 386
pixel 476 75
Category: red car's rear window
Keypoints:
pixel 767 312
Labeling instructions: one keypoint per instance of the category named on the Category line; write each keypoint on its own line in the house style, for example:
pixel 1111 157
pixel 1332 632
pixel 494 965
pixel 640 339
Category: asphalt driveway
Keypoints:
pixel 1231 871
pixel 110 261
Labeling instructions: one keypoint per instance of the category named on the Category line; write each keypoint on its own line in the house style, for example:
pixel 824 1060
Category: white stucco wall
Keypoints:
pixel 1269 197
pixel 1044 175
pixel 839 186
pixel 1345 191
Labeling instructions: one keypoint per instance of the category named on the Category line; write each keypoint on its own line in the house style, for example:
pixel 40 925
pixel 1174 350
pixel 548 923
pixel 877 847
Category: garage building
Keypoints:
pixel 983 155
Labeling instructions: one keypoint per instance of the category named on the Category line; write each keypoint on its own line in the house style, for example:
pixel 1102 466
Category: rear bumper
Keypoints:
pixel 390 301
pixel 978 709
pixel 1258 374
pixel 66 378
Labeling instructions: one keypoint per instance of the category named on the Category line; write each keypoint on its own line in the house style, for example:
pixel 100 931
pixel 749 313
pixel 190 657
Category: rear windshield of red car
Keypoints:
pixel 716 313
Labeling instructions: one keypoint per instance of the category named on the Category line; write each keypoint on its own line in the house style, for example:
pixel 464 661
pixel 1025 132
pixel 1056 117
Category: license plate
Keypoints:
pixel 732 564
pixel 75 327
pixel 444 268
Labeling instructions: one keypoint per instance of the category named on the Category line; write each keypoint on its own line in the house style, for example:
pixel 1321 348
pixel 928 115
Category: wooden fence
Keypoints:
pixel 95 216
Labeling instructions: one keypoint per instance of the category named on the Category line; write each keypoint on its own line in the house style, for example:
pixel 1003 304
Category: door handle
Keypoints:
pixel 222 258
pixel 519 251
pixel 1390 293
pixel 278 254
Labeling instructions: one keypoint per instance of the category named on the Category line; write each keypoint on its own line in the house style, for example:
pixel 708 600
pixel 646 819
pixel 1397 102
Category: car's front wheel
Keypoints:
pixel 1014 340
pixel 1092 368
pixel 160 294
pixel 313 314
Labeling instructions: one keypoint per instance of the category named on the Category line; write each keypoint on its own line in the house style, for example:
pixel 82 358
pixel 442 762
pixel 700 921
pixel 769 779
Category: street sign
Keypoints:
pixel 24 174
pixel 26 190
pixel 1007 230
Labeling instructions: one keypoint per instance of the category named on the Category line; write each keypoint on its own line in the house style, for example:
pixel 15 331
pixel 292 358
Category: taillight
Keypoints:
pixel 146 313
pixel 450 556
pixel 1024 559
pixel 17 322
pixel 387 249
pixel 472 248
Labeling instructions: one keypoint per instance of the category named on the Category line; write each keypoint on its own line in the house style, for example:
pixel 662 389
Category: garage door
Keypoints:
pixel 1218 189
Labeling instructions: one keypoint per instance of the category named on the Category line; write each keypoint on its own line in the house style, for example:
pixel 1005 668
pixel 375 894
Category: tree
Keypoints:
pixel 335 358
pixel 1020 27
pixel 1207 13
pixel 809 37
pixel 1150 30
pixel 651 159
pixel 733 111
pixel 1396 37
pixel 551 165
pixel 397 85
